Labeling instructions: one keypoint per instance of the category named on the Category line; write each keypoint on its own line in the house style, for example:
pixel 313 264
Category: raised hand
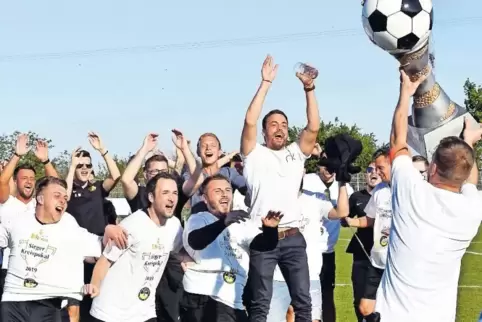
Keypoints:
pixel 179 139
pixel 235 216
pixel 42 150
pixel 75 157
pixel 471 135
pixel 95 141
pixel 21 147
pixel 407 86
pixel 2 165
pixel 317 150
pixel 306 79
pixel 269 69
pixel 150 142
pixel 272 219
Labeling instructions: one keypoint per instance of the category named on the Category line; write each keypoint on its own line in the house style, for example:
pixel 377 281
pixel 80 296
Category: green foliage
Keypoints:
pixel 7 146
pixel 329 129
pixel 473 103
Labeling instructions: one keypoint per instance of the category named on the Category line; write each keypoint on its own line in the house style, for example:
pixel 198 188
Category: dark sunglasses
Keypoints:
pixel 81 165
pixel 370 169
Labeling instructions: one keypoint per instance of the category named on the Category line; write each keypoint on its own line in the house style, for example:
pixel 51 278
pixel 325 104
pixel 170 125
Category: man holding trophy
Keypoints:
pixel 433 221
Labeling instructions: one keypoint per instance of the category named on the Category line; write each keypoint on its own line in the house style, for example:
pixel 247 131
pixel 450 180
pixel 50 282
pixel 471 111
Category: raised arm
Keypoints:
pixel 227 158
pixel 399 132
pixel 471 137
pixel 21 148
pixel 129 184
pixel 114 173
pixel 309 134
pixel 42 154
pixel 342 209
pixel 248 137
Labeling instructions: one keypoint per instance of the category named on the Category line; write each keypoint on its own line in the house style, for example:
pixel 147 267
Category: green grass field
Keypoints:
pixel 470 285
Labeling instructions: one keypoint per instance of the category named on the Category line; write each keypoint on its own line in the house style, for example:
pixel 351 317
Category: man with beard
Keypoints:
pixel 24 180
pixel 153 234
pixel 379 216
pixel 362 241
pixel 324 183
pixel 86 201
pixel 209 151
pixel 273 174
pixel 169 291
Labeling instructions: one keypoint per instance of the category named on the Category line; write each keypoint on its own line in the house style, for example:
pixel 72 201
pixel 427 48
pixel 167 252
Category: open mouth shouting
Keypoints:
pixel 208 154
pixel 59 209
pixel 279 136
pixel 224 202
pixel 28 189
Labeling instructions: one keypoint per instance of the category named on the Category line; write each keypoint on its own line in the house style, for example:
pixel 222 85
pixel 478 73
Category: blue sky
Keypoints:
pixel 123 96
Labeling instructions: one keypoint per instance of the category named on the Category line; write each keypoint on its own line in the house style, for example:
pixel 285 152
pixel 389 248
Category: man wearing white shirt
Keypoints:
pixel 124 281
pixel 433 223
pixel 273 174
pixel 379 216
pixel 324 185
pixel 218 240
pixel 46 260
pixel 313 211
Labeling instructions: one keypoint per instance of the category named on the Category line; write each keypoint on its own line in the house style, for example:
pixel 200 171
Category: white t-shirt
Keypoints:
pixel 431 230
pixel 379 208
pixel 331 228
pixel 128 290
pixel 273 179
pixel 46 261
pixel 9 210
pixel 313 211
pixel 238 202
pixel 228 253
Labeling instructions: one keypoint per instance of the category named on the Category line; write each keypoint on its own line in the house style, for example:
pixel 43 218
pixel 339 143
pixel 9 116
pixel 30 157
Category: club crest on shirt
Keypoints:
pixel 229 277
pixel 144 293
pixel 384 238
pixel 92 188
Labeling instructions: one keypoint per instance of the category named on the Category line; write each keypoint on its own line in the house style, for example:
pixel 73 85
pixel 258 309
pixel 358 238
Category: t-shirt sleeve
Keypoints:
pixel 4 235
pixel 252 161
pixel 296 150
pixel 371 207
pixel 470 190
pixel 91 244
pixel 407 183
pixel 325 208
pixel 100 185
pixel 177 244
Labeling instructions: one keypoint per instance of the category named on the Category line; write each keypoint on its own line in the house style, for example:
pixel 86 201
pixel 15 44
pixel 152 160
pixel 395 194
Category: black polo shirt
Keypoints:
pixel 86 205
pixel 358 201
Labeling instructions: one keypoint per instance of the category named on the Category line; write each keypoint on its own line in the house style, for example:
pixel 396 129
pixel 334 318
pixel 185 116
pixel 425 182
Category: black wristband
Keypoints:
pixel 105 153
pixel 312 88
pixel 46 162
pixel 265 80
pixel 16 154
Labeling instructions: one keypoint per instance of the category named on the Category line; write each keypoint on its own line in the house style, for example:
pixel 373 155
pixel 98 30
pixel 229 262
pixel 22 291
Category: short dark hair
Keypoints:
pixel 205 135
pixel 454 159
pixel 85 154
pixel 214 177
pixel 43 182
pixel 152 183
pixel 154 158
pixel 383 151
pixel 24 166
pixel 272 112
pixel 420 158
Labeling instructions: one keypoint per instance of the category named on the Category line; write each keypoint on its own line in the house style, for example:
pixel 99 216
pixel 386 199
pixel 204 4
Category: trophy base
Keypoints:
pixel 425 140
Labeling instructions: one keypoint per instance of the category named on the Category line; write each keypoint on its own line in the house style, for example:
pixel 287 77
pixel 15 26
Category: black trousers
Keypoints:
pixel 169 292
pixel 290 256
pixel 32 311
pixel 202 308
pixel 327 279
pixel 86 303
pixel 97 320
pixel 358 279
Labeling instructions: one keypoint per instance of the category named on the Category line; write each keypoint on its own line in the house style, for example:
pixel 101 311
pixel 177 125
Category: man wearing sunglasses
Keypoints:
pixel 362 241
pixel 379 216
pixel 86 201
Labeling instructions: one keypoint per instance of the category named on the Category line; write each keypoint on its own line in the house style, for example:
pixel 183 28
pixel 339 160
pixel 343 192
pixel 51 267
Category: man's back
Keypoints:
pixel 431 229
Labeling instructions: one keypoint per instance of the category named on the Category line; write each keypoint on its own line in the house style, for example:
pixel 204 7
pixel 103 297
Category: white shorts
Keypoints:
pixel 280 301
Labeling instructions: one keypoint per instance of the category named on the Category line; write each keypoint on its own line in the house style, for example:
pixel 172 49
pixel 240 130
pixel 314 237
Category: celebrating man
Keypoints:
pixel 433 223
pixel 273 173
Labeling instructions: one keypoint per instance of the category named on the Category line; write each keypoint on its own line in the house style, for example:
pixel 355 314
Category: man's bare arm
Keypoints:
pixel 309 134
pixel 342 209
pixel 129 184
pixel 471 137
pixel 399 132
pixel 248 137
pixel 114 173
pixel 21 149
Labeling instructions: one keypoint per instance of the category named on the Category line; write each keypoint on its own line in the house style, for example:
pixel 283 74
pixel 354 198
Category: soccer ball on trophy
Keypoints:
pixel 398 26
pixel 403 28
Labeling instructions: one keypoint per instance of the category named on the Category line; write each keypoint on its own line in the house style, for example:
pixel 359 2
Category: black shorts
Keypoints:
pixel 32 311
pixel 372 281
